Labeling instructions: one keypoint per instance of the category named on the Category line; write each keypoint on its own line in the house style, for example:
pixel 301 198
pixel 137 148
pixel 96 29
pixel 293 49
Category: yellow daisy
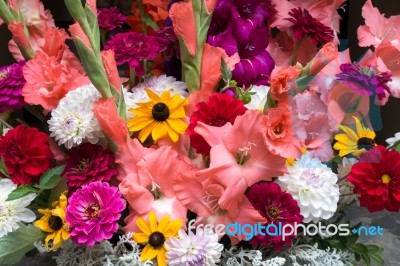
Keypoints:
pixel 154 234
pixel 163 116
pixel 354 142
pixel 53 222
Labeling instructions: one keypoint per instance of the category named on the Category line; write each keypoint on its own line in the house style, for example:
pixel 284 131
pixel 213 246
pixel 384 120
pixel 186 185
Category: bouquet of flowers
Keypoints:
pixel 199 132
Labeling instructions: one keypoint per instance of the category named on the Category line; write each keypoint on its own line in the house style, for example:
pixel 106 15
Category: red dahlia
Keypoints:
pixel 376 178
pixel 26 154
pixel 278 207
pixel 217 111
pixel 88 163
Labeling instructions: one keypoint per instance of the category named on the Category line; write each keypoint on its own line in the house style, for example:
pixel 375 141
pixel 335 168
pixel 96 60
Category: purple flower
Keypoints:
pixel 89 163
pixel 11 83
pixel 364 80
pixel 304 25
pixel 110 18
pixel 278 207
pixel 93 212
pixel 132 47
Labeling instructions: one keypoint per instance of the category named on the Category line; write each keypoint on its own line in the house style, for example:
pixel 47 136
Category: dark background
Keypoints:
pixel 351 20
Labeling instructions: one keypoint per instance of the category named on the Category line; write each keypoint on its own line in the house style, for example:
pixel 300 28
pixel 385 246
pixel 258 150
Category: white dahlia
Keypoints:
pixel 259 98
pixel 313 185
pixel 73 121
pixel 193 249
pixel 13 212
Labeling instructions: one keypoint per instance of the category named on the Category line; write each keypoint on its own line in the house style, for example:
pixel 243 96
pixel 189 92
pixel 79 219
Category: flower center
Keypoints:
pixel 365 143
pixel 386 179
pixel 70 124
pixel 279 129
pixel 83 165
pixel 55 222
pixel 4 73
pixel 92 211
pixel 243 155
pixel 217 122
pixel 156 240
pixel 273 212
pixel 160 112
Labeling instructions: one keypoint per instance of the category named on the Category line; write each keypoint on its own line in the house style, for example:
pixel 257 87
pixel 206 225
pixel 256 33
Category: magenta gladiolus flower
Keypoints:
pixel 110 18
pixel 93 212
pixel 11 83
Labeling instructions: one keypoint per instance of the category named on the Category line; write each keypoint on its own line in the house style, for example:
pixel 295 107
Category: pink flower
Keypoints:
pixel 238 152
pixel 11 84
pixel 93 212
pixel 110 18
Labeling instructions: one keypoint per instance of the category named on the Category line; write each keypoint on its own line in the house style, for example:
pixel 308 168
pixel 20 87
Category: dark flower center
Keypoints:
pixel 83 165
pixel 273 213
pixel 156 240
pixel 279 129
pixel 217 122
pixel 92 211
pixel 365 143
pixel 160 112
pixel 55 222
pixel 4 73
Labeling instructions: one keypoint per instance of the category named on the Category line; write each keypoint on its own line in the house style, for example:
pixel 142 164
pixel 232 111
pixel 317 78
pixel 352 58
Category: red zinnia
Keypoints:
pixel 89 163
pixel 26 154
pixel 217 111
pixel 376 178
pixel 278 207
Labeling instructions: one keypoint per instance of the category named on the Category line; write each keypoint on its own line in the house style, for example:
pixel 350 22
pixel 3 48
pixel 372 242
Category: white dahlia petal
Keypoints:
pixel 313 185
pixel 259 98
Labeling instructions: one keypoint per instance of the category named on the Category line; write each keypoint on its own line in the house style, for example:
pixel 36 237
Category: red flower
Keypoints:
pixel 89 163
pixel 278 207
pixel 376 178
pixel 217 111
pixel 26 154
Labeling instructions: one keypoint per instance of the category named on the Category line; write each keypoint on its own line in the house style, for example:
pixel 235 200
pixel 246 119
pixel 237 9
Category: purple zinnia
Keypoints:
pixel 89 163
pixel 132 47
pixel 93 212
pixel 364 80
pixel 11 83
pixel 304 25
pixel 110 18
pixel 278 207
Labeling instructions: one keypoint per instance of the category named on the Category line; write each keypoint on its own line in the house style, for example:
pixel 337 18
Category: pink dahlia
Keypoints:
pixel 304 25
pixel 110 18
pixel 89 163
pixel 131 47
pixel 217 111
pixel 376 178
pixel 278 207
pixel 93 212
pixel 11 83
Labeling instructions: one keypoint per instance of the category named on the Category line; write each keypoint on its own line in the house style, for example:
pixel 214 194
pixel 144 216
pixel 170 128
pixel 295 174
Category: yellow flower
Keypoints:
pixel 53 222
pixel 163 116
pixel 354 142
pixel 154 234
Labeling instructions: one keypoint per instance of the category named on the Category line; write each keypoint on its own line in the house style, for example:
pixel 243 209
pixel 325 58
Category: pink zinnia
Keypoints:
pixel 11 83
pixel 89 163
pixel 93 212
pixel 278 207
pixel 110 18
pixel 132 47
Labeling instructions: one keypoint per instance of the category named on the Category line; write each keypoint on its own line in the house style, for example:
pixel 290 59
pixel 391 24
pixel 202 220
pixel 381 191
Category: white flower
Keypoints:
pixel 193 249
pixel 13 212
pixel 391 141
pixel 313 185
pixel 73 121
pixel 258 99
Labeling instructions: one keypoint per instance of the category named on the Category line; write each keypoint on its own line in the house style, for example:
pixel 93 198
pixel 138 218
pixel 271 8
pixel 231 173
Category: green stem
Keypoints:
pixel 132 77
pixel 293 59
pixel 103 36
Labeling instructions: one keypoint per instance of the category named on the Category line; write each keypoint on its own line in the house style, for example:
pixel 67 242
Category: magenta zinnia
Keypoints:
pixel 110 18
pixel 11 83
pixel 93 212
pixel 89 163
pixel 132 47
pixel 304 25
pixel 376 178
pixel 278 207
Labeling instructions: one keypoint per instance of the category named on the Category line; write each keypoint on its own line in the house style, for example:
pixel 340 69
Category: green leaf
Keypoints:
pixel 350 240
pixel 3 168
pixel 14 245
pixel 94 27
pixel 51 177
pixel 359 248
pixel 366 259
pixel 121 106
pixel 225 72
pixel 21 191
pixel 373 248
pixel 377 259
pixel 270 103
